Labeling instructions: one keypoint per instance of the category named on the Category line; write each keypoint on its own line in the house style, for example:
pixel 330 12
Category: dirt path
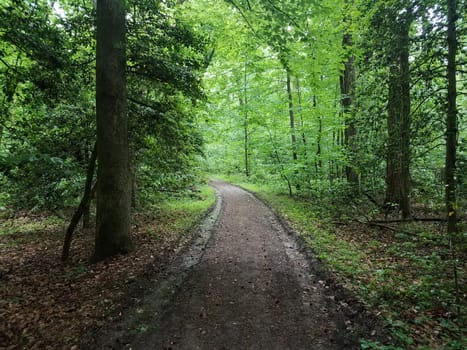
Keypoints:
pixel 251 289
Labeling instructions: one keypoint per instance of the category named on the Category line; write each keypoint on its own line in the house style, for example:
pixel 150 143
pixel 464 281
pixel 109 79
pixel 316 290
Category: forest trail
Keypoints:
pixel 251 289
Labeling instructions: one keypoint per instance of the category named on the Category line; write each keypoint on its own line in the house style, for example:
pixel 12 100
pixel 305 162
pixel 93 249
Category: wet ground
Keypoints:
pixel 248 287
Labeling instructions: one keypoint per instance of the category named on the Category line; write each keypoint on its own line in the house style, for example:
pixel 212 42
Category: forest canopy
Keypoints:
pixel 347 115
pixel 303 91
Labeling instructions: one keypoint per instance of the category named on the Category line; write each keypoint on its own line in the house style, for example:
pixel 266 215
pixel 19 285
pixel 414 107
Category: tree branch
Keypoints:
pixel 243 15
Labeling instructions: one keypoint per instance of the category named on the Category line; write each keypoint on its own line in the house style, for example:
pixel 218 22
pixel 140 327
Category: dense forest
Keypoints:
pixel 348 117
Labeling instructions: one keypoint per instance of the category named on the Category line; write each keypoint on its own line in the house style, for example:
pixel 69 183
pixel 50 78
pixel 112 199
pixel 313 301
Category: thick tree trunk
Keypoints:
pixel 114 192
pixel 398 124
pixel 451 121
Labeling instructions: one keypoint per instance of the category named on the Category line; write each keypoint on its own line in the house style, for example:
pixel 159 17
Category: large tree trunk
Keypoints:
pixel 114 192
pixel 451 120
pixel 398 123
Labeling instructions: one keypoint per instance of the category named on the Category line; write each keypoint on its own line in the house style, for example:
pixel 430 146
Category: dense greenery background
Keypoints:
pixel 299 96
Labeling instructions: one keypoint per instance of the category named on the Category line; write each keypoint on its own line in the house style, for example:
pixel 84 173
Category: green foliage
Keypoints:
pixel 29 226
pixel 47 128
pixel 176 214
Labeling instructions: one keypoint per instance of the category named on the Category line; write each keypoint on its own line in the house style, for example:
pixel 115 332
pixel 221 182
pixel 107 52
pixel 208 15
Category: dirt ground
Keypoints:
pixel 246 286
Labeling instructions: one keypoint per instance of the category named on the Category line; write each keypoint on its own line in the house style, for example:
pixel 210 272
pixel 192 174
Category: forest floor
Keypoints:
pixel 253 283
pixel 47 304
pixel 251 289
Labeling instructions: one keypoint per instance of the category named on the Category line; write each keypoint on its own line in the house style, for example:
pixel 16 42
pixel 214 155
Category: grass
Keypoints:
pixel 29 225
pixel 172 215
pixel 176 215
pixel 406 275
pixel 17 231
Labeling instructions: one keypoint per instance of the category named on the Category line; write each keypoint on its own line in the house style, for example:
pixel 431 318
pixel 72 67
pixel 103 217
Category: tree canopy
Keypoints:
pixel 360 104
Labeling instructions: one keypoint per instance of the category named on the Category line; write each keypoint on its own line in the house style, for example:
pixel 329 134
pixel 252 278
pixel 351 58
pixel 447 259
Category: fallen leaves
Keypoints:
pixel 47 304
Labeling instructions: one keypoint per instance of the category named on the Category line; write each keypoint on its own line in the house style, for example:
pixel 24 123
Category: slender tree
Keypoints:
pixel 246 151
pixel 291 117
pixel 114 191
pixel 347 86
pixel 246 138
pixel 300 112
pixel 83 205
pixel 451 119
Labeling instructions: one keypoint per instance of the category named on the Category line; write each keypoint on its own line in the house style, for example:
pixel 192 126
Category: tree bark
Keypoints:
pixel 398 124
pixel 302 124
pixel 83 205
pixel 114 189
pixel 291 117
pixel 347 85
pixel 319 162
pixel 246 141
pixel 246 151
pixel 451 121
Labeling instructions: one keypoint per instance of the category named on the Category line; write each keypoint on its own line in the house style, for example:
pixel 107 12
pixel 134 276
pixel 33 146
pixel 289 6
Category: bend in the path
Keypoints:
pixel 247 292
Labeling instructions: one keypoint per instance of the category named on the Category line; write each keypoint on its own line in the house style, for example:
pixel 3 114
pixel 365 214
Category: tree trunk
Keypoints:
pixel 291 117
pixel 302 124
pixel 114 192
pixel 347 85
pixel 281 165
pixel 319 162
pixel 245 138
pixel 451 121
pixel 83 205
pixel 398 124
pixel 243 103
pixel 86 220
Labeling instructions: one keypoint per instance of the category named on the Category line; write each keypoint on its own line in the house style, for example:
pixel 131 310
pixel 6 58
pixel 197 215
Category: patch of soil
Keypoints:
pixel 255 286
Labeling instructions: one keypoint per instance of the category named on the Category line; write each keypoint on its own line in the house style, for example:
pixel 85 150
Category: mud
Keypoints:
pixel 252 285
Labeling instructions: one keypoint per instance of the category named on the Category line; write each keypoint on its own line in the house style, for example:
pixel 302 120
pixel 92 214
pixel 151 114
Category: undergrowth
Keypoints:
pixel 176 214
pixel 404 273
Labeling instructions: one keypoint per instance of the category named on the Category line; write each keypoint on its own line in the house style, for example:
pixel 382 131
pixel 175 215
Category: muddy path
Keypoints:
pixel 252 288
